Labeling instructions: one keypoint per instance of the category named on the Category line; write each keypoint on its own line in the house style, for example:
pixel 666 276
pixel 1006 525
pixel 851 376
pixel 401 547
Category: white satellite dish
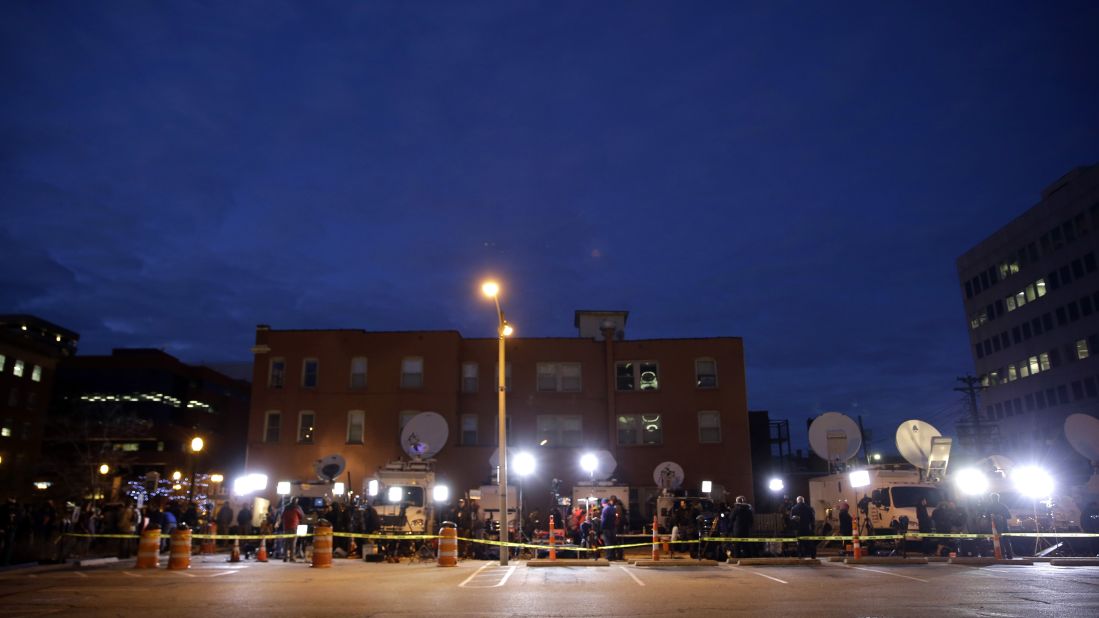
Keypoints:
pixel 424 435
pixel 835 437
pixel 668 475
pixel 914 442
pixel 1082 432
pixel 329 468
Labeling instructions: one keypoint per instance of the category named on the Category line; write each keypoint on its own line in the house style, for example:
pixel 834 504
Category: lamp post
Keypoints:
pixel 196 447
pixel 492 289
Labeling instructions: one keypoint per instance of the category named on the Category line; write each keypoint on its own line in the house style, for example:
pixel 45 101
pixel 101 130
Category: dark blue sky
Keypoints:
pixel 802 175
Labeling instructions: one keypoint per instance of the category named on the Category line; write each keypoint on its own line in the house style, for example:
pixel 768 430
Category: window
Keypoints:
pixel 3 361
pixel 276 373
pixel 13 397
pixel 496 377
pixel 32 400
pixel 355 426
pixel 564 377
pixel 1082 349
pixel 560 429
pixel 705 373
pixel 271 427
pixel 309 373
pixel 306 428
pixel 405 416
pixel 358 372
pixel 709 427
pixel 25 433
pixel 469 430
pixel 637 375
pixel 412 372
pixel 636 429
pixel 469 377
pixel 36 374
pixel 17 369
pixel 5 429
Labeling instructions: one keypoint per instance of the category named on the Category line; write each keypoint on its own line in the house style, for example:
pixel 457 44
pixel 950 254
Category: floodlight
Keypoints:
pixel 283 488
pixel 971 482
pixel 104 469
pixel 523 464
pixel 337 488
pixel 395 494
pixel 859 478
pixel 589 462
pixel 372 487
pixel 707 486
pixel 1032 481
pixel 440 493
pixel 776 485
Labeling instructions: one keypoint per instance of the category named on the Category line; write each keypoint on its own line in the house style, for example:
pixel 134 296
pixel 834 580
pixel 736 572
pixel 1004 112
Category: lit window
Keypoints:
pixel 469 430
pixel 560 429
pixel 309 373
pixel 709 427
pixel 1034 367
pixel 271 426
pixel 1024 370
pixel 496 377
pixel 1040 285
pixel 17 369
pixel 412 372
pixel 3 361
pixel 36 374
pixel 5 430
pixel 1043 361
pixel 1031 294
pixel 1082 351
pixel 636 429
pixel 355 426
pixel 563 377
pixel 637 375
pixel 469 377
pixel 1012 374
pixel 705 373
pixel 277 373
pixel 358 372
pixel 306 429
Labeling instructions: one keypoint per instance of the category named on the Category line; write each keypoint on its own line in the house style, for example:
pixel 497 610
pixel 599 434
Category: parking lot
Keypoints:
pixel 478 588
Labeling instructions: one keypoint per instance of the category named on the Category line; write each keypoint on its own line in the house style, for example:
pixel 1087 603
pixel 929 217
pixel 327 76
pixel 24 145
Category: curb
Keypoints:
pixel 1074 562
pixel 94 561
pixel 674 563
pixel 988 561
pixel 778 562
pixel 885 561
pixel 567 562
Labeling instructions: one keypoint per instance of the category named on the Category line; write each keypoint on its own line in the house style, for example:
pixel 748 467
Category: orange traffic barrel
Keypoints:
pixel 148 549
pixel 180 554
pixel 448 545
pixel 322 545
pixel 208 543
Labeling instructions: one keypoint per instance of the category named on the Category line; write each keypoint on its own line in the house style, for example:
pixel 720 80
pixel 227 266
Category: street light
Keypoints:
pixel 104 469
pixel 196 447
pixel 492 290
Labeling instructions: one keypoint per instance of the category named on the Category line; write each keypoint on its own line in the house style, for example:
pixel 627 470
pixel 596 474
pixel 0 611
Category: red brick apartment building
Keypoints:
pixel 320 392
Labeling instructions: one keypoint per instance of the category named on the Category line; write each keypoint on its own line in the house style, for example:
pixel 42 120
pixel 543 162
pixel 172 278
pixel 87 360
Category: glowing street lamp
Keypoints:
pixel 492 290
pixel 196 447
pixel 104 469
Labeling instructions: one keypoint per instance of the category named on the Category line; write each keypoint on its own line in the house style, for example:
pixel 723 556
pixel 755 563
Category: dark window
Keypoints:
pixel 1051 396
pixel 989 412
pixel 980 350
pixel 1040 400
pixel 1095 299
pixel 1066 275
pixel 1089 262
pixel 968 290
pixel 1089 387
pixel 1055 238
pixel 999 410
pixel 1054 358
pixel 992 275
pixel 988 347
pixel 1062 394
pixel 1036 326
pixel 1018 405
pixel 1000 307
pixel 1066 228
pixel 1073 312
pixel 1029 401
pixel 1015 336
pixel 1077 269
pixel 1032 252
pixel 1085 306
pixel 995 344
pixel 1026 330
pixel 1004 341
pixel 976 281
pixel 1093 342
pixel 1052 280
pixel 984 280
pixel 1021 257
pixel 1077 390
pixel 1061 318
pixel 1044 240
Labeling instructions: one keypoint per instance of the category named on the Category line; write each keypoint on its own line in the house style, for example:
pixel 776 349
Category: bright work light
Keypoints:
pixel 859 478
pixel 395 494
pixel 1032 481
pixel 971 482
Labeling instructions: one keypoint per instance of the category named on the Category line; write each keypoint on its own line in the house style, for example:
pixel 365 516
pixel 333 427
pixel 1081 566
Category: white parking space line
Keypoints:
pixel 81 574
pixel 490 574
pixel 129 574
pixel 182 573
pixel 220 573
pixel 632 576
pixel 917 579
pixel 781 581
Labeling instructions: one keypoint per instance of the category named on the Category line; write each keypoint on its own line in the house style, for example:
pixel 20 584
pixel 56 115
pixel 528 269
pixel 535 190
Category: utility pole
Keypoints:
pixel 971 388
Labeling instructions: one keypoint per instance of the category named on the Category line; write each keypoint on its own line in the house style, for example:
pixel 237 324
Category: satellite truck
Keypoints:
pixel 402 491
pixel 888 492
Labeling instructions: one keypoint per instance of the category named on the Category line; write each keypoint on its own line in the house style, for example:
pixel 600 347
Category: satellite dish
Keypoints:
pixel 668 475
pixel 329 468
pixel 835 437
pixel 1082 432
pixel 424 435
pixel 914 442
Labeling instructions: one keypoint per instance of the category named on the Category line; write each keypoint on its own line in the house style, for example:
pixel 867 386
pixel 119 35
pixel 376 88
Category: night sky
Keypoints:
pixel 802 175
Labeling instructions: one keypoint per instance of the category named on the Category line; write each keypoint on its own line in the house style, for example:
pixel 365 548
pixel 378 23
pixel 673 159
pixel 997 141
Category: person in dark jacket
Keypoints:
pixel 804 519
pixel 742 523
pixel 609 520
pixel 943 518
pixel 923 521
pixel 847 525
pixel 998 514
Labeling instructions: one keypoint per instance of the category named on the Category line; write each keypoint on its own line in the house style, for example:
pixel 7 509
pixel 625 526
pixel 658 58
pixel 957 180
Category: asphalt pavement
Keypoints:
pixel 213 586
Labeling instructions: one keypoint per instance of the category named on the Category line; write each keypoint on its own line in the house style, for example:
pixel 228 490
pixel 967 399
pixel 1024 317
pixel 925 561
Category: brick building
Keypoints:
pixel 321 392
pixel 30 349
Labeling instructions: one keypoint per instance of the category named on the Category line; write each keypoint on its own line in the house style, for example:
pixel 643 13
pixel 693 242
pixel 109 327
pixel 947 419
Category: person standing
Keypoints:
pixel 292 516
pixel 224 518
pixel 609 520
pixel 743 520
pixel 924 525
pixel 999 514
pixel 847 525
pixel 805 520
